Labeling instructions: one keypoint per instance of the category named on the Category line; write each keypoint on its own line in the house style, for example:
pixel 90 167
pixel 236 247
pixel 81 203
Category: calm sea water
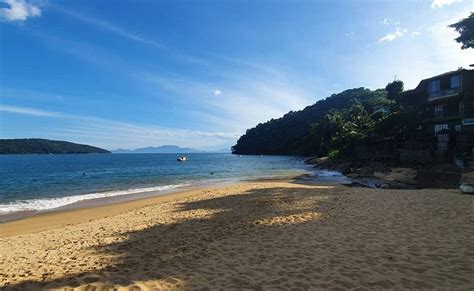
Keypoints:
pixel 42 182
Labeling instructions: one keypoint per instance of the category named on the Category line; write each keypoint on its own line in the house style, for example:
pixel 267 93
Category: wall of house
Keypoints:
pixel 447 146
pixel 468 97
pixel 409 155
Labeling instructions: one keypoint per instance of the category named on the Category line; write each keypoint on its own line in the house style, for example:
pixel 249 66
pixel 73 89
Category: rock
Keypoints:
pixel 402 175
pixel 468 178
pixel 384 186
pixel 366 171
pixel 467 188
pixel 380 175
pixel 437 179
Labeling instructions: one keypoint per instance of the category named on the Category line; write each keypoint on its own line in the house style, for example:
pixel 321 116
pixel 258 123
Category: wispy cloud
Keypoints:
pixel 109 27
pixel 18 10
pixel 28 111
pixel 399 32
pixel 86 52
pixel 254 93
pixel 441 3
pixel 111 133
pixel 122 32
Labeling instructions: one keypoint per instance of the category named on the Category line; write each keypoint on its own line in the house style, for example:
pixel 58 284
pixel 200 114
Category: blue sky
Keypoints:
pixel 127 74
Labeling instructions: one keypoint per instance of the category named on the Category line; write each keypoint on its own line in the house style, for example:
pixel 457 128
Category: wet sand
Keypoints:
pixel 254 235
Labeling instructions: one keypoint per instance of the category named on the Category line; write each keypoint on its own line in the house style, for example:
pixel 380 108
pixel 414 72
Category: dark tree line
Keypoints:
pixel 45 146
pixel 332 126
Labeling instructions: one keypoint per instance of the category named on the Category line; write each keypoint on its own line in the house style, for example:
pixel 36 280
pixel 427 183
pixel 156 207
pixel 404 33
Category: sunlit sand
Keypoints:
pixel 256 235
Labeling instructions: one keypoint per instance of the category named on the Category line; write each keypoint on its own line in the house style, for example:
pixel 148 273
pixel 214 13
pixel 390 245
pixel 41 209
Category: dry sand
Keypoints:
pixel 257 235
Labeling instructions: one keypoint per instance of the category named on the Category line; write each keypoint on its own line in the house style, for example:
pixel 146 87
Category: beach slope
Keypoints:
pixel 255 235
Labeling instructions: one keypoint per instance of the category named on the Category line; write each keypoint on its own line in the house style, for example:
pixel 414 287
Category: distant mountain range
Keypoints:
pixel 165 149
pixel 45 146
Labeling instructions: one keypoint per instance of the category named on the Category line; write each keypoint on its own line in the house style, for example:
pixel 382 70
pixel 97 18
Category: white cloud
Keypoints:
pixel 392 36
pixel 432 53
pixel 441 3
pixel 389 21
pixel 415 33
pixel 217 92
pixel 18 10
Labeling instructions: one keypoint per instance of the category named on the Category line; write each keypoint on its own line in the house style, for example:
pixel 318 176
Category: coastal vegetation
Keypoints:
pixel 45 146
pixel 329 127
pixel 335 125
pixel 465 28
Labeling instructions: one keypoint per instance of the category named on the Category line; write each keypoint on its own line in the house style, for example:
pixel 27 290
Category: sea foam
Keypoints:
pixel 51 203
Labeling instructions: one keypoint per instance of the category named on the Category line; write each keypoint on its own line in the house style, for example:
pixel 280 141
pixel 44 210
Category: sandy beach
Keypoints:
pixel 254 235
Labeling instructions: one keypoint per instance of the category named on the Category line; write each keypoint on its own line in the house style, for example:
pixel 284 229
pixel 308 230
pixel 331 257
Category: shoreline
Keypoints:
pixel 96 202
pixel 127 197
pixel 70 215
pixel 93 209
pixel 250 235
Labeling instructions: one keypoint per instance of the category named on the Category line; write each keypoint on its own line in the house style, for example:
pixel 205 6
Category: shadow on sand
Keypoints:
pixel 234 241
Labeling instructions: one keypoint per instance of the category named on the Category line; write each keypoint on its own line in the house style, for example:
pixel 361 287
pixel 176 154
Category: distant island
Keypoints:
pixel 166 149
pixel 45 146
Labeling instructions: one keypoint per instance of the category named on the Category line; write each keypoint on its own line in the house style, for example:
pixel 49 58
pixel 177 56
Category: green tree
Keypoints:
pixel 394 88
pixel 465 28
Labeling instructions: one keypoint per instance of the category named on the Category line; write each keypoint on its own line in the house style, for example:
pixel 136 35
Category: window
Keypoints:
pixel 455 82
pixel 440 127
pixel 457 127
pixel 438 111
pixel 461 107
pixel 434 86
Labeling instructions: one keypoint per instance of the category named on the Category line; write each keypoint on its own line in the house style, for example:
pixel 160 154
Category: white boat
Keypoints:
pixel 182 159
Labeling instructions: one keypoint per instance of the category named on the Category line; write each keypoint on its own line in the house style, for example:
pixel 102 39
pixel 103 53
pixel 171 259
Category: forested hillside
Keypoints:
pixel 45 146
pixel 328 125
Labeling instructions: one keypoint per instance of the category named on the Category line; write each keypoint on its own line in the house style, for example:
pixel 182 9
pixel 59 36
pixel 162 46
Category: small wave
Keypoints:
pixel 326 173
pixel 51 203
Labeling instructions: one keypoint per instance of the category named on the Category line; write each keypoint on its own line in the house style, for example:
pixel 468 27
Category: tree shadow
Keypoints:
pixel 227 242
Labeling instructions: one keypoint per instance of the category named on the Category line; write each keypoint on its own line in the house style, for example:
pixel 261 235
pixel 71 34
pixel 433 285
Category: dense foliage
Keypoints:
pixel 465 27
pixel 45 146
pixel 332 126
pixel 393 89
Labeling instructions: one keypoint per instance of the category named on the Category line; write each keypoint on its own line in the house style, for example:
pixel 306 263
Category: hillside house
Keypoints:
pixel 445 106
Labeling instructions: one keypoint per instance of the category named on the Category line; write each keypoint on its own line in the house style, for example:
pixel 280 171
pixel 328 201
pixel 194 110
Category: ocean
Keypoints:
pixel 47 182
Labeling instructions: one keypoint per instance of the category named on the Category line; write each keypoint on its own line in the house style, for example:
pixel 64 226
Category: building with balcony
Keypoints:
pixel 445 102
pixel 445 106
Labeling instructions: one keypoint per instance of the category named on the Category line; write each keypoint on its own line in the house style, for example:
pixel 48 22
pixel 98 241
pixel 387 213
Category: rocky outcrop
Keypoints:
pixel 467 188
pixel 437 179
pixel 390 174
pixel 467 183
pixel 402 175
pixel 373 173
pixel 467 178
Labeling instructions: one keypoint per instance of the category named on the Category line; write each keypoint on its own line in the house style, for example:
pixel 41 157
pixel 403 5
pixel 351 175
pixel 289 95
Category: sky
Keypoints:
pixel 130 74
